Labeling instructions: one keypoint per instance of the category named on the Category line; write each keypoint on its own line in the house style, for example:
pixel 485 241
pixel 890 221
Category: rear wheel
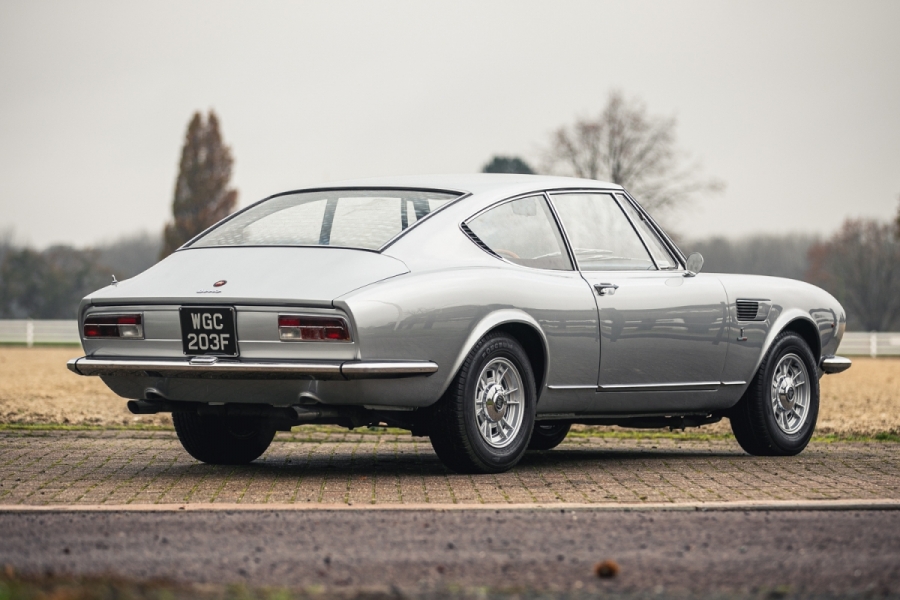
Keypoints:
pixel 220 440
pixel 547 435
pixel 777 414
pixel 483 422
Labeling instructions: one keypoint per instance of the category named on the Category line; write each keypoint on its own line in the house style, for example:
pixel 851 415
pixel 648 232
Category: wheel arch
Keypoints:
pixel 534 346
pixel 808 331
pixel 521 326
pixel 796 322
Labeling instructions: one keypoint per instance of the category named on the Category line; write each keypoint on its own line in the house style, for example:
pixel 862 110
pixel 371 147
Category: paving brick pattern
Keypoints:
pixel 149 467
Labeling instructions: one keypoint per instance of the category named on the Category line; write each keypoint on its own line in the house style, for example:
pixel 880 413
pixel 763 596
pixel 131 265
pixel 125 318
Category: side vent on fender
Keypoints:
pixel 748 310
pixel 477 240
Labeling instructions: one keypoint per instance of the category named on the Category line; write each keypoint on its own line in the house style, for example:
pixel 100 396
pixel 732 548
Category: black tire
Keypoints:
pixel 547 435
pixel 753 419
pixel 455 433
pixel 222 440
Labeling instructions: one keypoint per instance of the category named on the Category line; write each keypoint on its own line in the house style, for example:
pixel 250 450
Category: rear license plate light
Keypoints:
pixel 130 326
pixel 296 328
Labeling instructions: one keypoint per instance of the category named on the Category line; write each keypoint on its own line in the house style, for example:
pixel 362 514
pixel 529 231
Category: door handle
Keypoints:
pixel 605 289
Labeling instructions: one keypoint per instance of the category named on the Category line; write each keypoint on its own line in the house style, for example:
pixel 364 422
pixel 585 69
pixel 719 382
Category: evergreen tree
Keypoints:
pixel 507 164
pixel 897 221
pixel 202 195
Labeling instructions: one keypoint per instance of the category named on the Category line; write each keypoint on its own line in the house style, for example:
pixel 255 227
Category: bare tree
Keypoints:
pixel 625 145
pixel 860 266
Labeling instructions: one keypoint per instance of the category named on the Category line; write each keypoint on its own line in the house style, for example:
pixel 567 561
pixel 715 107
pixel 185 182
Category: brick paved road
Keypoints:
pixel 144 467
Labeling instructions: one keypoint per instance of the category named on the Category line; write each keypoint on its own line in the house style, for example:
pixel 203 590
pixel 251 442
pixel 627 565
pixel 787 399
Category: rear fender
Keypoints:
pixel 491 322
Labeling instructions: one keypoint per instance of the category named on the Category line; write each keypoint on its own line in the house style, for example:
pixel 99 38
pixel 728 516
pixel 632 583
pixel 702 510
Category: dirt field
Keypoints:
pixel 36 387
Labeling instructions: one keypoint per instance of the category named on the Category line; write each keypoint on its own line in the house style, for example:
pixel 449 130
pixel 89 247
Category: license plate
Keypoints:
pixel 208 331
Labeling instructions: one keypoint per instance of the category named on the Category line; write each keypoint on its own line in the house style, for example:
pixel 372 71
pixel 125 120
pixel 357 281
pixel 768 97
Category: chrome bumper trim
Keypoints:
pixel 834 364
pixel 226 369
pixel 377 370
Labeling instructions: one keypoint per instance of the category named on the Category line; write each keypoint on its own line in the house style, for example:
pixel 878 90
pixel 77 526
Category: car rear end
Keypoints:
pixel 244 317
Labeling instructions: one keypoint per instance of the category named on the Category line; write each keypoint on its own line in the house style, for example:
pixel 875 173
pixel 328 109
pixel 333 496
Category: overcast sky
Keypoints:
pixel 794 105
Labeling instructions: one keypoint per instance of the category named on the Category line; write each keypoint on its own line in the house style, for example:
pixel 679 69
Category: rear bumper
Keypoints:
pixel 232 369
pixel 834 364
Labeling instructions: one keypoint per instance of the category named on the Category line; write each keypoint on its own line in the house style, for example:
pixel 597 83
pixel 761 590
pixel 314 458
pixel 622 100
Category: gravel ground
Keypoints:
pixel 412 553
pixel 36 387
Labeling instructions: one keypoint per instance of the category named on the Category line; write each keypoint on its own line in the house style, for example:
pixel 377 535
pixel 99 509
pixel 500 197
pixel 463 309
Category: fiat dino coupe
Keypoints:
pixel 487 312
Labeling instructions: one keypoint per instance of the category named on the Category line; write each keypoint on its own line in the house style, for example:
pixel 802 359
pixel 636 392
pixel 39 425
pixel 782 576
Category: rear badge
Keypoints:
pixel 217 284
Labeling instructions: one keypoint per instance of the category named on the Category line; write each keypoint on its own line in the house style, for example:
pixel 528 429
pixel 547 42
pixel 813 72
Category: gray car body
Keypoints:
pixel 667 343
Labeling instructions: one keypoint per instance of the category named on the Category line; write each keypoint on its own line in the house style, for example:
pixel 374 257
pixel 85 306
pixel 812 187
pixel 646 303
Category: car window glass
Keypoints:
pixel 416 209
pixel 347 218
pixel 523 232
pixel 600 234
pixel 299 224
pixel 659 251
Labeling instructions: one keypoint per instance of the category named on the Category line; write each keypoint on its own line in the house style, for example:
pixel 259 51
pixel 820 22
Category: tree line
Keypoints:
pixel 859 265
pixel 49 284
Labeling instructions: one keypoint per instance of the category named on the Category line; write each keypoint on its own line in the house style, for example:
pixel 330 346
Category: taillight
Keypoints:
pixel 312 329
pixel 114 326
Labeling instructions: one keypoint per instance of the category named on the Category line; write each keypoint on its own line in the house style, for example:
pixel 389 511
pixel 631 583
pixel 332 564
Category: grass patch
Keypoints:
pixel 644 434
pixel 583 433
pixel 113 587
pixel 85 427
pixel 50 586
pixel 884 436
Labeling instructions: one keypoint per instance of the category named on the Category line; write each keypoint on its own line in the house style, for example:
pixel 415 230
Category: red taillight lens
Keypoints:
pixel 114 326
pixel 312 329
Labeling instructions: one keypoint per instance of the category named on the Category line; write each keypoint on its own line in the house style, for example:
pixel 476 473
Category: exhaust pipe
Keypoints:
pixel 145 407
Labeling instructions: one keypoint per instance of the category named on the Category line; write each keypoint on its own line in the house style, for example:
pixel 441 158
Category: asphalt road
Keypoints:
pixel 753 552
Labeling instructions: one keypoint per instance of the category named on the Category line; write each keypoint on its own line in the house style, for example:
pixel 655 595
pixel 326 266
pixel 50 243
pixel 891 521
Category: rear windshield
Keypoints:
pixel 347 218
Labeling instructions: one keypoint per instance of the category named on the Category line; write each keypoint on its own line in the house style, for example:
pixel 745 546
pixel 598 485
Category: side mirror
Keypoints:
pixel 693 265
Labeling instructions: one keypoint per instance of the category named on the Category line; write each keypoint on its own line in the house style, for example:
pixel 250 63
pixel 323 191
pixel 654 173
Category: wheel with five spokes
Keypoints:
pixel 777 414
pixel 483 422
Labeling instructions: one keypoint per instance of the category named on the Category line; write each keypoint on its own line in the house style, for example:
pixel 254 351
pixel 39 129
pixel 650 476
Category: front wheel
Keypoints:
pixel 219 440
pixel 483 422
pixel 777 414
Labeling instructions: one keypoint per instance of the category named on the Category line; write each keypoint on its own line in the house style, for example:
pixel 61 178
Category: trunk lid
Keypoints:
pixel 263 275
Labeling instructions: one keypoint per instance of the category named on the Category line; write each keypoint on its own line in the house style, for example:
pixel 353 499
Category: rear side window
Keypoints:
pixel 524 232
pixel 365 219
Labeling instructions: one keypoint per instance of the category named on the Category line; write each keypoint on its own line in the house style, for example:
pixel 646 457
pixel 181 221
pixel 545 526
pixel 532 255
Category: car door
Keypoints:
pixel 662 334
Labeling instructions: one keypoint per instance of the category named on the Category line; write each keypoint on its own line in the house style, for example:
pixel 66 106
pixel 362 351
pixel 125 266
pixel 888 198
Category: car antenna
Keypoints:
pixel 114 282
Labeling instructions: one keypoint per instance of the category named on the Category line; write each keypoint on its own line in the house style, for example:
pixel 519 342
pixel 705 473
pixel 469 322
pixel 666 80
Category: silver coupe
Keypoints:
pixel 487 312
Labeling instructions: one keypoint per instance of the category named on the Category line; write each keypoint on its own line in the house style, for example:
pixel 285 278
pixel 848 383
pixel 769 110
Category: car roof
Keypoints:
pixel 473 183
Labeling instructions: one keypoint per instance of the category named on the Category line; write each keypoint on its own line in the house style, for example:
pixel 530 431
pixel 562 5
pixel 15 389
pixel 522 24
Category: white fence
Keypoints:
pixel 874 344
pixel 28 332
